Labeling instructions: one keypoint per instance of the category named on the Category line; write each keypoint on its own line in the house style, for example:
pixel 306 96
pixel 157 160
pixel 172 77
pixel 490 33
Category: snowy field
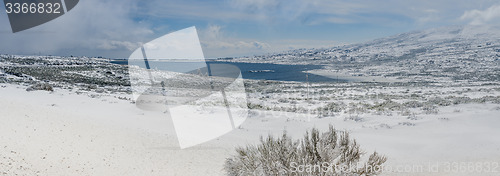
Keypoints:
pixel 65 133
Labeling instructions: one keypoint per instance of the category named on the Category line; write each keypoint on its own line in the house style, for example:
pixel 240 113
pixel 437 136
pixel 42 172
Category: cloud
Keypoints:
pixel 272 10
pixel 193 10
pixel 91 28
pixel 213 32
pixel 381 12
pixel 318 12
pixel 112 45
pixel 479 17
pixel 216 43
pixel 268 12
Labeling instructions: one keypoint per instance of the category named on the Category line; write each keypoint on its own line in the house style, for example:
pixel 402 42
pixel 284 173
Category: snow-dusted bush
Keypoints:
pixel 439 101
pixel 358 108
pixel 430 109
pixel 330 109
pixel 41 86
pixel 459 100
pixel 285 156
pixel 387 105
pixel 355 118
pixel 413 104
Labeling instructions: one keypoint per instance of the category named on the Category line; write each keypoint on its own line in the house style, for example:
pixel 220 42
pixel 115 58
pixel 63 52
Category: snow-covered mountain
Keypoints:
pixel 444 41
pixel 457 52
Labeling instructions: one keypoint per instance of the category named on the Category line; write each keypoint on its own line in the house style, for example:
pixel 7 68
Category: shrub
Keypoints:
pixel 386 105
pixel 282 156
pixel 41 86
pixel 459 100
pixel 439 101
pixel 330 109
pixel 430 109
pixel 413 104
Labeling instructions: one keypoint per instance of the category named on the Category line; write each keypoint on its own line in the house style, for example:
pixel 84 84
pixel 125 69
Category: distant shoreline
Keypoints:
pixel 350 78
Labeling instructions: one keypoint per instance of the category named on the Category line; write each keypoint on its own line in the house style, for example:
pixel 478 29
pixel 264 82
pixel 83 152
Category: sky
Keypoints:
pixel 232 28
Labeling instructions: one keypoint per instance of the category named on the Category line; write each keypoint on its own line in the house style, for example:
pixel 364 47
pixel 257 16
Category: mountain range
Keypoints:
pixel 467 53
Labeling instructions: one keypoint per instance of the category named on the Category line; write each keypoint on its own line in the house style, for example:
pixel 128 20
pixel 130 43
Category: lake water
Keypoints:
pixel 256 71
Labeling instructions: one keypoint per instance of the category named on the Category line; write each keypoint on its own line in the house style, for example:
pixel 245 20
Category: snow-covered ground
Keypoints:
pixel 65 133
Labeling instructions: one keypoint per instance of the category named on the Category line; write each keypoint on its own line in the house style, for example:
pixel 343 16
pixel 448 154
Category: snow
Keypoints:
pixel 63 133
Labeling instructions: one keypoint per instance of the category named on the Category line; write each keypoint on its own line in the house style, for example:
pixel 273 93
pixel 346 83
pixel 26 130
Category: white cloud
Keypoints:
pixel 213 32
pixel 194 10
pixel 314 12
pixel 272 9
pixel 91 28
pixel 112 45
pixel 479 17
pixel 217 44
pixel 380 12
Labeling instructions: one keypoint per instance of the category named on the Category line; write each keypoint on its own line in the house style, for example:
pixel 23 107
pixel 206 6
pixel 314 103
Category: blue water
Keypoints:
pixel 256 71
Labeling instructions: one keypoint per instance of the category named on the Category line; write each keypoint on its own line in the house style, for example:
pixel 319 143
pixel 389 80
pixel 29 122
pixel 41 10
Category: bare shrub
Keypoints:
pixel 280 156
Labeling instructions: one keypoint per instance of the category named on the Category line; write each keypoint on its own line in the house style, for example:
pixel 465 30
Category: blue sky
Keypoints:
pixel 114 28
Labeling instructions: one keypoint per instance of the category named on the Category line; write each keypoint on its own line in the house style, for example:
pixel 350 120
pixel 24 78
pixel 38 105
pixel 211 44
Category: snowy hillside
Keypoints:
pixel 442 54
